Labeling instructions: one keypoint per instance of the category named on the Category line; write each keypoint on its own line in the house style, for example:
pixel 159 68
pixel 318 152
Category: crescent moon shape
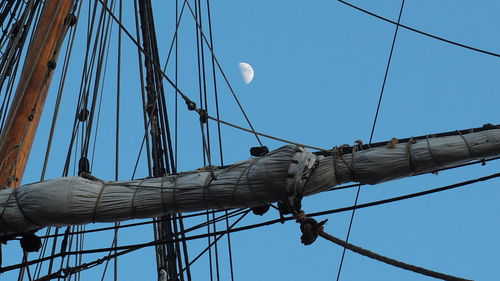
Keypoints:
pixel 246 72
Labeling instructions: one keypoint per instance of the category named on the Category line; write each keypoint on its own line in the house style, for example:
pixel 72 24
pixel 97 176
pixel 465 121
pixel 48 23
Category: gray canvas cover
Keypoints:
pixel 287 173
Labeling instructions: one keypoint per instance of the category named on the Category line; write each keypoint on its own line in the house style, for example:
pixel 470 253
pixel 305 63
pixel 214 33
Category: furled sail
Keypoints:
pixel 286 174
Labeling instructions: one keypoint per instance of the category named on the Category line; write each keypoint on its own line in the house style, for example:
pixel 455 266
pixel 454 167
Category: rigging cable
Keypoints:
pixel 371 134
pixel 117 140
pixel 55 114
pixel 265 135
pixel 173 250
pixel 107 49
pixel 198 214
pixel 66 272
pixel 143 96
pixel 482 162
pixel 204 126
pixel 218 238
pixel 219 134
pixel 130 248
pixel 393 262
pixel 83 92
pixel 223 74
pixel 98 83
pixel 104 54
pixel 218 118
pixel 185 97
pixel 17 42
pixel 420 31
pixel 62 82
pixel 12 55
pixel 178 16
pixel 154 243
pixel 31 8
pixel 101 37
pixel 188 101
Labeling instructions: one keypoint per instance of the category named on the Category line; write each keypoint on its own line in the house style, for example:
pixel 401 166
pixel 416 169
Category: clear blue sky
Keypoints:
pixel 319 67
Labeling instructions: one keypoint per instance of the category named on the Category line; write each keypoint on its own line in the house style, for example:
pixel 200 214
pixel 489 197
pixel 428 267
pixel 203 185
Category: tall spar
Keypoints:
pixel 18 134
pixel 168 259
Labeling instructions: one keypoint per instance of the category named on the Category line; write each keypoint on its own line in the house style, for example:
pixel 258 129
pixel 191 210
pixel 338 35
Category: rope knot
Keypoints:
pixel 190 105
pixel 309 227
pixel 203 116
pixel 300 216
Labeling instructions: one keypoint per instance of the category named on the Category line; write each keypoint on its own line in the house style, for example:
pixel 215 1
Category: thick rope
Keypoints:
pixel 311 229
pixel 393 262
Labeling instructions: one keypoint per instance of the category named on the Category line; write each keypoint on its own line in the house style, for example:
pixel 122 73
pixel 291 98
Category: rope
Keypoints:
pixel 137 246
pixel 65 272
pixel 191 105
pixel 466 143
pixel 481 161
pixel 134 224
pixel 372 131
pixel 217 238
pixel 265 135
pixel 311 229
pixel 219 133
pixel 387 260
pixel 222 71
pixel 117 139
pixel 419 31
pixel 174 41
pixel 409 155
pixel 130 248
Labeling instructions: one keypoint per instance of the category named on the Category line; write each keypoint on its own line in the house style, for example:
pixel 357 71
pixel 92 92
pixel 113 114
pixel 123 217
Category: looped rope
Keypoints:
pixel 337 153
pixel 430 150
pixel 409 155
pixel 466 143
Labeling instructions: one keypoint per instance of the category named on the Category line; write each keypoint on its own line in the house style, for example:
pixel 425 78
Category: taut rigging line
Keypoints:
pixel 420 31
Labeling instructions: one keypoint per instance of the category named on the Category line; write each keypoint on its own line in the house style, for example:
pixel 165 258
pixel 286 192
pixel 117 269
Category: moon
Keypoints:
pixel 246 72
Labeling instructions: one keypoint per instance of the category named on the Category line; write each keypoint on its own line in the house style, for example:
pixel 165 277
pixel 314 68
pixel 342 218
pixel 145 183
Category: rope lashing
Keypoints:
pixel 311 229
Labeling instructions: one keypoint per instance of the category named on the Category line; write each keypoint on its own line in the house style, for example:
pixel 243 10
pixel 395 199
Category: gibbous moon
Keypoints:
pixel 246 72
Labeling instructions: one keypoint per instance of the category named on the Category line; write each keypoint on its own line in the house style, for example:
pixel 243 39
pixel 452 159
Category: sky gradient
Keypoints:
pixel 319 68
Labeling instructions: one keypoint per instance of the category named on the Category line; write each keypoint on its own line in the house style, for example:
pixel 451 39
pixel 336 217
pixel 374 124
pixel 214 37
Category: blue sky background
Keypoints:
pixel 319 67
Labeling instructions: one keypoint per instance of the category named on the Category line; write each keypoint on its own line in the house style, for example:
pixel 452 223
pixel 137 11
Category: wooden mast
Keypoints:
pixel 17 136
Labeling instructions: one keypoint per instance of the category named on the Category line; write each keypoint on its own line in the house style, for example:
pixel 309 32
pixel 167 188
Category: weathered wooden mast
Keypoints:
pixel 18 134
